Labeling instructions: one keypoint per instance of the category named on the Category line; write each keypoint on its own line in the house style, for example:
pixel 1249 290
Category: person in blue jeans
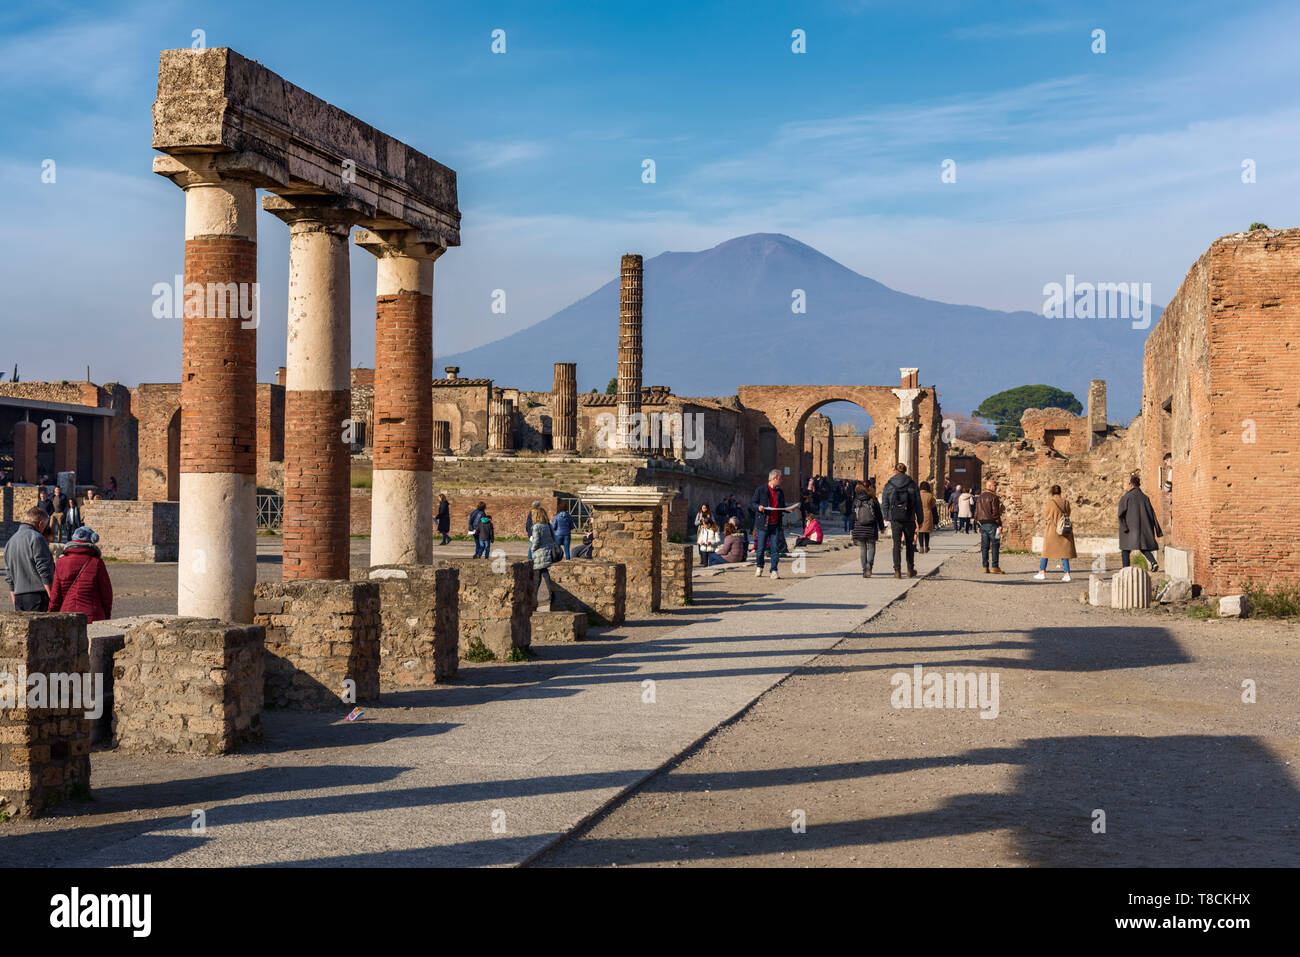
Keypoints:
pixel 479 511
pixel 769 508
pixel 562 526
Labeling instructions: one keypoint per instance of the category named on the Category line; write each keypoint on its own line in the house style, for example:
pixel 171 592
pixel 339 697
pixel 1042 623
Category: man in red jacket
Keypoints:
pixel 81 579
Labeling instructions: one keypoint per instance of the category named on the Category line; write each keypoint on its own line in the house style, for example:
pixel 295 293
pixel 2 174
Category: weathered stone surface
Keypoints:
pixel 1099 591
pixel 319 635
pixel 419 624
pixel 1178 562
pixel 1131 588
pixel 1176 589
pixel 559 626
pixel 1234 606
pixel 188 685
pixel 676 565
pixel 44 752
pixel 494 603
pixel 596 588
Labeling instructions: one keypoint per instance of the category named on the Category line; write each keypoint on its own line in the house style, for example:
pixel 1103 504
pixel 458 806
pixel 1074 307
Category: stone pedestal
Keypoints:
pixel 1131 588
pixel 676 564
pixel 596 589
pixel 419 624
pixel 564 408
pixel 494 604
pixel 628 525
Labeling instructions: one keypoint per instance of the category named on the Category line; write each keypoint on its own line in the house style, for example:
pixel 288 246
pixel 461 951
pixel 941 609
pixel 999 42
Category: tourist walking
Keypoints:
pixel 542 540
pixel 1138 526
pixel 702 518
pixel 528 526
pixel 929 517
pixel 479 511
pixel 484 535
pixel 29 566
pixel 868 523
pixel 1058 536
pixel 443 519
pixel 988 516
pixel 81 582
pixel 769 507
pixel 562 526
pixel 902 507
pixel 966 509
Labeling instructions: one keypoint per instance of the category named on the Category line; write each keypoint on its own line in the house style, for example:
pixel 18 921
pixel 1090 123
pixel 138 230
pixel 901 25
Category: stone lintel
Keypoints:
pixel 626 496
pixel 215 102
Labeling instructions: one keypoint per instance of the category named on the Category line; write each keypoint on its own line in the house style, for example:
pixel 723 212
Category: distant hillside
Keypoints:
pixel 721 318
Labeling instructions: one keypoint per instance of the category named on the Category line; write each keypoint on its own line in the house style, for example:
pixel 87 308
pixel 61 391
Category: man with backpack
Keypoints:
pixel 988 516
pixel 902 507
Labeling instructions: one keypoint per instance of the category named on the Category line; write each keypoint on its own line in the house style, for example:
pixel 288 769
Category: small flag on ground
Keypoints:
pixel 355 713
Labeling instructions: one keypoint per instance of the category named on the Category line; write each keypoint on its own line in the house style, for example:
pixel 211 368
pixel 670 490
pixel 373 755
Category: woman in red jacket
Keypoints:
pixel 81 579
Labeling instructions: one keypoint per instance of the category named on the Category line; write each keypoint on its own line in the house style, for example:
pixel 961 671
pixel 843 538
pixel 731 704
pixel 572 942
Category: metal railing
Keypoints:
pixel 270 511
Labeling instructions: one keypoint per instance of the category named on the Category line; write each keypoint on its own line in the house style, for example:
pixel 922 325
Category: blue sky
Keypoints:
pixel 1121 166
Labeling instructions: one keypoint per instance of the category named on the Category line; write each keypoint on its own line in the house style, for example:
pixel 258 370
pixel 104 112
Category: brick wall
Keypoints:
pixel 155 406
pixel 188 685
pixel 135 531
pixel 403 410
pixel 271 430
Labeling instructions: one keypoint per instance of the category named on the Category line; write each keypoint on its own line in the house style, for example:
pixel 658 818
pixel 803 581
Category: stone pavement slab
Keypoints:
pixel 501 781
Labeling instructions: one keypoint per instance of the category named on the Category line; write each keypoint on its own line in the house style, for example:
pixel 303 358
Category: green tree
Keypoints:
pixel 1003 411
pixel 612 388
pixel 1255 226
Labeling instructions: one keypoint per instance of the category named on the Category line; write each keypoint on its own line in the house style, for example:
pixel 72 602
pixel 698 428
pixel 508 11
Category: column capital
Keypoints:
pixel 215 169
pixel 400 243
pixel 315 213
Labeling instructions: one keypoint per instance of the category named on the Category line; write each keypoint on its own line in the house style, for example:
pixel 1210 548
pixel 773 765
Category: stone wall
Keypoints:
pixel 44 752
pixel 1056 429
pixel 319 634
pixel 188 685
pixel 419 624
pixel 633 535
pixel 156 408
pixel 270 432
pixel 587 585
pixel 676 564
pixel 135 531
pixel 495 603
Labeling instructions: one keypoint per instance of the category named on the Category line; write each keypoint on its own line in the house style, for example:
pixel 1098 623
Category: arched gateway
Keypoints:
pixel 906 427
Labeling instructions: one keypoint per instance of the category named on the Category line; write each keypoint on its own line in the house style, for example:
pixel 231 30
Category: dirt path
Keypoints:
pixel 1138 715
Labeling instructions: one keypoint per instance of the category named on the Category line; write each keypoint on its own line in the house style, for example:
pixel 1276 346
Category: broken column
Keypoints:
pixel 500 434
pixel 401 511
pixel 909 426
pixel 318 388
pixel 564 408
pixel 628 524
pixel 629 354
pixel 65 447
pixel 1096 411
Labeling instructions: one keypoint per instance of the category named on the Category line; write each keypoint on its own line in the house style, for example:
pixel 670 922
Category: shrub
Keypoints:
pixel 1277 601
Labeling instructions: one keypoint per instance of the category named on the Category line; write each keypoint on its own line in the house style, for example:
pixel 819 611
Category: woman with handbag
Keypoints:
pixel 542 540
pixel 1058 537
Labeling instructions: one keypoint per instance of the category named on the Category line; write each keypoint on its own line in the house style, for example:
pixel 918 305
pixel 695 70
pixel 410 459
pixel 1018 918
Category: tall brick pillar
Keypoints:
pixel 564 408
pixel 65 447
pixel 318 388
pixel 25 437
pixel 629 350
pixel 217 563
pixel 401 509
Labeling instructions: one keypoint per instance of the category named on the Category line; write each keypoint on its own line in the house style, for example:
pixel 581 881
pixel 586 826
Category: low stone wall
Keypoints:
pixel 495 604
pixel 632 535
pixel 44 752
pixel 188 685
pixel 419 624
pixel 596 588
pixel 676 564
pixel 135 531
pixel 554 626
pixel 319 636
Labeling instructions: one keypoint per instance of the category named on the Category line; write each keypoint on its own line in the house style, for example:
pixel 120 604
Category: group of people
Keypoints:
pixel 549 539
pixel 77 582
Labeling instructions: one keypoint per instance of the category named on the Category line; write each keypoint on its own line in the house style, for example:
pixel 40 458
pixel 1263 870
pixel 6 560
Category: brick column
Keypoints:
pixel 629 347
pixel 65 448
pixel 401 511
pixel 218 457
pixel 318 388
pixel 25 436
pixel 564 408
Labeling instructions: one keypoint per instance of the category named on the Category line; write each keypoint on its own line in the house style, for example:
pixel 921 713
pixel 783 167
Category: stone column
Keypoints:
pixel 564 408
pixel 441 437
pixel 1096 411
pixel 25 438
pixel 629 349
pixel 401 512
pixel 628 525
pixel 65 447
pixel 318 388
pixel 217 563
pixel 908 432
pixel 499 415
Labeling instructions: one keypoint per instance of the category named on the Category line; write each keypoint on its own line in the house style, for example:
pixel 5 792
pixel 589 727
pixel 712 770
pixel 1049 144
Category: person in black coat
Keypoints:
pixel 868 523
pixel 443 519
pixel 1138 526
pixel 902 508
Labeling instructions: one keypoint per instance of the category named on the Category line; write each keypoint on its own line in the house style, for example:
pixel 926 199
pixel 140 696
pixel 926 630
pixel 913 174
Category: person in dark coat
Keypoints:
pixel 479 511
pixel 902 507
pixel 562 526
pixel 1138 526
pixel 444 519
pixel 81 582
pixel 768 506
pixel 868 523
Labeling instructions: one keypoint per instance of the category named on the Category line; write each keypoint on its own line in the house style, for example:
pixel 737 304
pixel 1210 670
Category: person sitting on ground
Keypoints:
pixel 707 540
pixel 585 549
pixel 81 582
pixel 732 549
pixel 812 533
pixel 1058 537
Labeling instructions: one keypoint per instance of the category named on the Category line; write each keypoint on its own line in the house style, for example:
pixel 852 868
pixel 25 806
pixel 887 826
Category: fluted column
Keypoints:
pixel 564 408
pixel 499 416
pixel 441 437
pixel 318 388
pixel 401 511
pixel 629 349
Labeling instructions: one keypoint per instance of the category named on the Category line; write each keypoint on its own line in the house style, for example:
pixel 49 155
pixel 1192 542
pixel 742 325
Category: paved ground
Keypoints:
pixel 1137 714
pixel 532 749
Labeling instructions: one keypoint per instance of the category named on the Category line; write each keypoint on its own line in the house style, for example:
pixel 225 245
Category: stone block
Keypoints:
pixel 1178 562
pixel 676 565
pixel 1176 589
pixel 322 648
pixel 419 624
pixel 559 626
pixel 494 603
pixel 44 751
pixel 1131 588
pixel 1099 591
pixel 596 588
pixel 187 685
pixel 1234 606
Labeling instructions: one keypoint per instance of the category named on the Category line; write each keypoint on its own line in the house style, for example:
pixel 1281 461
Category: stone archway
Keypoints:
pixel 775 416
